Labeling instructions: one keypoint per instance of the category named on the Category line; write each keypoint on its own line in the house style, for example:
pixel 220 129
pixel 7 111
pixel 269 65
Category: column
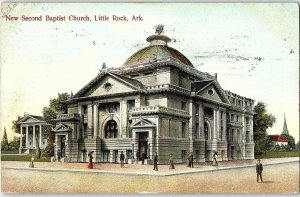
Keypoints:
pixel 218 125
pixel 96 120
pixel 40 135
pixel 33 137
pixel 215 124
pixel 191 125
pixel 224 125
pixel 26 136
pixel 201 121
pixel 90 121
pixel 21 137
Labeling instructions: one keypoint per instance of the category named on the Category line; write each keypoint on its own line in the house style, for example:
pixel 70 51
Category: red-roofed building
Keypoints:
pixel 278 139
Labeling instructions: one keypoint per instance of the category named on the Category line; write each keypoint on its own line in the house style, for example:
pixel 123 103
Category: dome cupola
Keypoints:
pixel 158 49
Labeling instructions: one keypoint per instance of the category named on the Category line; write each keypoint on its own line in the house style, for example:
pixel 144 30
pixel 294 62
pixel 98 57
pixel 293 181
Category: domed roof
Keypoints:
pixel 157 50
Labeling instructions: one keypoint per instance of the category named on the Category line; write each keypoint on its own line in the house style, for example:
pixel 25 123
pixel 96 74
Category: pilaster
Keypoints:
pixel 96 120
pixel 90 121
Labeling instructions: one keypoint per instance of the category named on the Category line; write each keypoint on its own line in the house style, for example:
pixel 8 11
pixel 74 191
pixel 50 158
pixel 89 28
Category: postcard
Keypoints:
pixel 149 98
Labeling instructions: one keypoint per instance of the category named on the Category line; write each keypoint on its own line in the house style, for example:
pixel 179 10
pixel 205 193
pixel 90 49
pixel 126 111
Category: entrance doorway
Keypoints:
pixel 63 146
pixel 115 158
pixel 142 145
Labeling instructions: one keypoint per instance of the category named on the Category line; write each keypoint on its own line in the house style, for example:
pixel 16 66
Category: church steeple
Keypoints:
pixel 285 129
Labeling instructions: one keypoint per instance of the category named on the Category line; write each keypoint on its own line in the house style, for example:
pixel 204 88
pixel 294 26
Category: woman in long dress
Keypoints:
pixel 215 163
pixel 90 166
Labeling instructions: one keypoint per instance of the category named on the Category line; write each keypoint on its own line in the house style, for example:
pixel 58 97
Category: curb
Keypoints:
pixel 141 174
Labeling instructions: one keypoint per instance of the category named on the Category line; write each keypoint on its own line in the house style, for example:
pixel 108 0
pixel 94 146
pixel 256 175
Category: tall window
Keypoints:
pixel 206 131
pixel 183 105
pixel 111 129
pixel 197 130
pixel 183 129
pixel 84 108
pixel 221 133
pixel 238 135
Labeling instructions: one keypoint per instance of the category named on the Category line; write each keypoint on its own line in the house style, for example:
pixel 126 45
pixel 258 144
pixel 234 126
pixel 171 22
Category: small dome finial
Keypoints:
pixel 104 65
pixel 159 29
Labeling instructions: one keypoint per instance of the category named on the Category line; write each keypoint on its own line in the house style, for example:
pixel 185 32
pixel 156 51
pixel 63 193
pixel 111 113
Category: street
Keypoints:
pixel 279 178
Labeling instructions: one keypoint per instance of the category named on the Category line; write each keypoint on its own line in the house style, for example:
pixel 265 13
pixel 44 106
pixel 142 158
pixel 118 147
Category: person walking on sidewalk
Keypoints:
pixel 171 159
pixel 31 165
pixel 191 160
pixel 155 162
pixel 215 162
pixel 122 158
pixel 90 165
pixel 259 169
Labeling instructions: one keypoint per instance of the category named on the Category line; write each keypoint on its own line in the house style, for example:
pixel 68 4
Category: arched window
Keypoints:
pixel 111 129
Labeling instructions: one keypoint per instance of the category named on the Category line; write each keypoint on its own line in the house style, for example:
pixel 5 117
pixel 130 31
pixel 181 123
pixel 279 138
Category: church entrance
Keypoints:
pixel 142 144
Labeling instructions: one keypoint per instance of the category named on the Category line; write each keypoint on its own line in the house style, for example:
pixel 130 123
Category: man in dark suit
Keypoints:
pixel 191 160
pixel 155 162
pixel 259 169
pixel 122 158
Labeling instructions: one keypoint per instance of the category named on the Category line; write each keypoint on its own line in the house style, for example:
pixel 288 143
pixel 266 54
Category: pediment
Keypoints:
pixel 143 123
pixel 108 83
pixel 29 119
pixel 62 128
pixel 212 91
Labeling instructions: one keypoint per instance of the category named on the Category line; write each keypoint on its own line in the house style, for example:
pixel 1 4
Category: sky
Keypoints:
pixel 254 49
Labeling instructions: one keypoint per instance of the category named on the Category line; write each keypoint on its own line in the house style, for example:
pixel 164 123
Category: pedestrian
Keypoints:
pixel 90 165
pixel 122 158
pixel 259 169
pixel 31 165
pixel 215 162
pixel 171 159
pixel 191 161
pixel 155 162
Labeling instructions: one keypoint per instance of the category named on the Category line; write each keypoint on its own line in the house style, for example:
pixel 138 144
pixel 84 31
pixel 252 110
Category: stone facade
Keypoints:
pixel 156 102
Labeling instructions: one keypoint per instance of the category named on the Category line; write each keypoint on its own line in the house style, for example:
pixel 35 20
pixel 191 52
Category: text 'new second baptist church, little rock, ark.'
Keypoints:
pixel 156 102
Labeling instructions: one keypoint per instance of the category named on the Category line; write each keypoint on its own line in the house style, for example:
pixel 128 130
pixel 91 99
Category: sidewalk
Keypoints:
pixel 140 170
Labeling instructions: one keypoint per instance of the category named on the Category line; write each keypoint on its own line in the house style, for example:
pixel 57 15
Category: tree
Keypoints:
pixel 4 141
pixel 49 150
pixel 56 106
pixel 14 144
pixel 15 126
pixel 261 122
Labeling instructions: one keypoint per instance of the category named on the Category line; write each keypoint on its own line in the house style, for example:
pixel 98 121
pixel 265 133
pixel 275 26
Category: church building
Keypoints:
pixel 157 101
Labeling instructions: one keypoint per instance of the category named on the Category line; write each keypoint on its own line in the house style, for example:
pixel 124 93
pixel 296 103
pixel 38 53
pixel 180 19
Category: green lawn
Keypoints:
pixel 23 158
pixel 278 154
pixel 9 151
